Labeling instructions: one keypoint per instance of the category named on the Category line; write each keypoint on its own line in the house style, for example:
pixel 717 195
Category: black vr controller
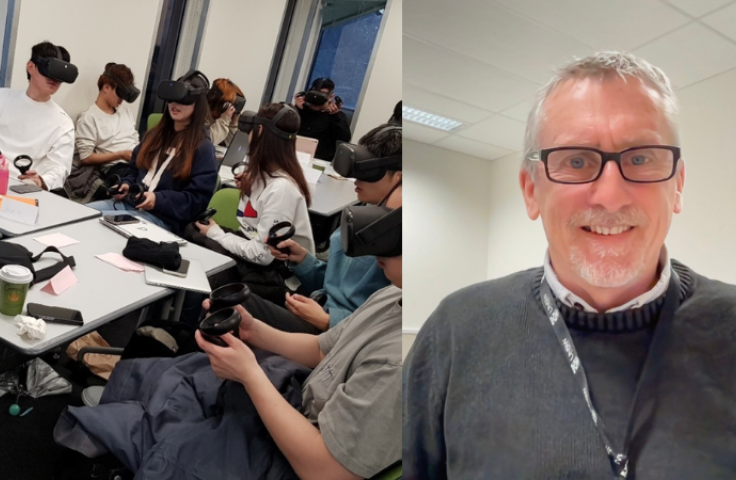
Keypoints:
pixel 134 197
pixel 204 217
pixel 225 318
pixel 23 163
pixel 274 238
pixel 239 168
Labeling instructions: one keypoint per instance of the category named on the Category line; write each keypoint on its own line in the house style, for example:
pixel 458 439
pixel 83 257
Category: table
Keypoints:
pixel 53 211
pixel 104 293
pixel 330 195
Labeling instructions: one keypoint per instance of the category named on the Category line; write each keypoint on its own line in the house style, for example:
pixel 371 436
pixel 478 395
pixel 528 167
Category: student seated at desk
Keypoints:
pixel 105 136
pixel 32 124
pixel 322 118
pixel 273 190
pixel 222 99
pixel 173 419
pixel 346 282
pixel 175 164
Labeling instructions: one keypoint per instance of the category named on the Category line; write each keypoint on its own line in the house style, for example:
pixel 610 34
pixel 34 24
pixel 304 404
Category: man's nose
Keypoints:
pixel 611 190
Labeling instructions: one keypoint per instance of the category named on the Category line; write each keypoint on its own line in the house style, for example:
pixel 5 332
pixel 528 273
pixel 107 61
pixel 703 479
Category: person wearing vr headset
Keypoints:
pixel 32 124
pixel 273 190
pixel 105 136
pixel 345 283
pixel 226 101
pixel 173 172
pixel 321 117
pixel 342 421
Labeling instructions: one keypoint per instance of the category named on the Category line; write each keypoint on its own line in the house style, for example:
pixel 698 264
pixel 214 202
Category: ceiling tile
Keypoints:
pixel 423 134
pixel 724 21
pixel 698 8
pixel 461 78
pixel 623 24
pixel 520 112
pixel 690 54
pixel 441 105
pixel 471 147
pixel 496 36
pixel 498 130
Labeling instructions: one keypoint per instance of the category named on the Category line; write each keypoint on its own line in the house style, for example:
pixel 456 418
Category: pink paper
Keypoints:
pixel 60 282
pixel 119 261
pixel 57 240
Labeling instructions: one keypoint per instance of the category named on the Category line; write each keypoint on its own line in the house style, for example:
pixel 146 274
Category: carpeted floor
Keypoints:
pixel 27 447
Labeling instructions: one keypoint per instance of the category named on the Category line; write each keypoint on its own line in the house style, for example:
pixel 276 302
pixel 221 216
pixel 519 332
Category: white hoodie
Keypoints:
pixel 279 200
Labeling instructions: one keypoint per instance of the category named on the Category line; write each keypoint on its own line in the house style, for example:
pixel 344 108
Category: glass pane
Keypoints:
pixel 349 30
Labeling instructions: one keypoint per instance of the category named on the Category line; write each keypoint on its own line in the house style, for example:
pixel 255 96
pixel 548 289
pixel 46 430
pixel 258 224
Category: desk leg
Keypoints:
pixel 178 304
pixel 166 308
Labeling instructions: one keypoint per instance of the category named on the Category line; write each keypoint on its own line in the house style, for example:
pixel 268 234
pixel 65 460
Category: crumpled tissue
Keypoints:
pixel 34 328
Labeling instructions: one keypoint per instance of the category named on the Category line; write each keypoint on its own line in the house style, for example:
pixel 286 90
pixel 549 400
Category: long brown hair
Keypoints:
pixel 269 153
pixel 187 141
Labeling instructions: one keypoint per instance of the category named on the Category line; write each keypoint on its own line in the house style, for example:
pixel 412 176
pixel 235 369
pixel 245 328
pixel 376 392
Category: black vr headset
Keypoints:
pixel 356 161
pixel 56 68
pixel 181 90
pixel 127 92
pixel 248 120
pixel 239 103
pixel 371 230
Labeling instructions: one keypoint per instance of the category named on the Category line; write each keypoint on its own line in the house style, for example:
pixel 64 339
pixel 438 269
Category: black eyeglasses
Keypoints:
pixel 642 164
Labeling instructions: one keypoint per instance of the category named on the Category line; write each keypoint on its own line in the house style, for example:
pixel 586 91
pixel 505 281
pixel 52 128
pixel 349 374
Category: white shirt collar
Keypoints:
pixel 571 300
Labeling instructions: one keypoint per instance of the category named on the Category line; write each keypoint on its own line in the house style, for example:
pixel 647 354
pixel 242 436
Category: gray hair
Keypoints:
pixel 600 65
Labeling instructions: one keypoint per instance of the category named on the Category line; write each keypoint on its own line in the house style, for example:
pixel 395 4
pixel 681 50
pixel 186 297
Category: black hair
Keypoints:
pixel 320 83
pixel 383 144
pixel 396 118
pixel 48 50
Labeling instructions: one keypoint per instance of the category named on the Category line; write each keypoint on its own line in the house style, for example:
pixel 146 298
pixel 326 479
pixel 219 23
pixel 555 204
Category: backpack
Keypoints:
pixel 14 254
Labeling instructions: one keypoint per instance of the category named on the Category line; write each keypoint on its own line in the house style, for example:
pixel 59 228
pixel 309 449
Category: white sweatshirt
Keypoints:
pixel 42 130
pixel 278 201
pixel 101 132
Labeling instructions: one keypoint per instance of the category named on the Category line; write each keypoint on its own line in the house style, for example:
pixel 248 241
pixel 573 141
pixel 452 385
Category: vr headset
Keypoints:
pixel 239 103
pixel 248 121
pixel 127 92
pixel 56 68
pixel 181 90
pixel 356 161
pixel 371 230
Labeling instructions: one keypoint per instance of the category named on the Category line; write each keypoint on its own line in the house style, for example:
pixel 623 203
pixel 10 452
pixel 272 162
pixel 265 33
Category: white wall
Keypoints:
pixel 445 226
pixel 383 88
pixel 95 33
pixel 702 236
pixel 239 42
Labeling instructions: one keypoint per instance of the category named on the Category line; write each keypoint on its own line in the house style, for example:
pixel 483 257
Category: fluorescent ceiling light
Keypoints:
pixel 429 119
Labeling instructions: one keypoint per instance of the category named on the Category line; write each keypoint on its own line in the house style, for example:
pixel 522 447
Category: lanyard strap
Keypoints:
pixel 619 460
pixel 154 173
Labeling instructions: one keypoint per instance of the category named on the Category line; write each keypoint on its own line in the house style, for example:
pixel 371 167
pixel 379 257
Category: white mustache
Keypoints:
pixel 600 217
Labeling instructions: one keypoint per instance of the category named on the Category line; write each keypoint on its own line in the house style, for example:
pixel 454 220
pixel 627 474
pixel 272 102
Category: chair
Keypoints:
pixel 226 202
pixel 153 120
pixel 391 473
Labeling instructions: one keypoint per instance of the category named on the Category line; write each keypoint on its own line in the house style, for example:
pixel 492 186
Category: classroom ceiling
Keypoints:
pixel 480 62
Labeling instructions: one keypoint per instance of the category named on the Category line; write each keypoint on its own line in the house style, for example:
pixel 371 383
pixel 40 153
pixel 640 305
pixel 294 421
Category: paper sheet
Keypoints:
pixel 18 211
pixel 119 261
pixel 57 240
pixel 60 282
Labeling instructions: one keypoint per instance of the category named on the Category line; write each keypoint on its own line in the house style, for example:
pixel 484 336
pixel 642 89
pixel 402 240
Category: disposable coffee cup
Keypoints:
pixel 14 283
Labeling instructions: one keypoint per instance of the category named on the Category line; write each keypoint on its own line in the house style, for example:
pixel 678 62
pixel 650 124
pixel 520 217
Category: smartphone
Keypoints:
pixel 182 271
pixel 55 314
pixel 25 188
pixel 122 219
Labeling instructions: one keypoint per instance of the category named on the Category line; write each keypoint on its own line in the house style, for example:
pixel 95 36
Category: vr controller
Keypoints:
pixel 23 163
pixel 225 318
pixel 204 217
pixel 274 238
pixel 134 197
pixel 239 168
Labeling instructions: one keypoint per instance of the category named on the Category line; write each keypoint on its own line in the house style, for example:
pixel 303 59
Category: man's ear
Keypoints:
pixel 526 182
pixel 29 66
pixel 679 185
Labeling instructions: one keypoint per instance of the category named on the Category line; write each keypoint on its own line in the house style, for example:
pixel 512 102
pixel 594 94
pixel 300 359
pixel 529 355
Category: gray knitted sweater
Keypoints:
pixel 488 392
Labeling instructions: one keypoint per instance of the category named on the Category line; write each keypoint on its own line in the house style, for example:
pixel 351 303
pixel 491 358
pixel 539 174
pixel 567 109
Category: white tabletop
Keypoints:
pixel 103 293
pixel 53 211
pixel 331 196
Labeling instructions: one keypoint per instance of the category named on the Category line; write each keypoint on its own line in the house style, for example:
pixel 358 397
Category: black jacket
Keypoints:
pixel 325 127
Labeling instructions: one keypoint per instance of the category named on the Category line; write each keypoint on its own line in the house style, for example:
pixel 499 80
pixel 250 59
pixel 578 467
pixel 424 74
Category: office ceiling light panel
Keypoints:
pixel 429 119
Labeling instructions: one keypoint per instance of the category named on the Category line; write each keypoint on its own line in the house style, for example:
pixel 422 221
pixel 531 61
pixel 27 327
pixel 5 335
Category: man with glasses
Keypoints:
pixel 611 360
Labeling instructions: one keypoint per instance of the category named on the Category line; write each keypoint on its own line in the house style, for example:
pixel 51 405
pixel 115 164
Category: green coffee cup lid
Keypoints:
pixel 16 274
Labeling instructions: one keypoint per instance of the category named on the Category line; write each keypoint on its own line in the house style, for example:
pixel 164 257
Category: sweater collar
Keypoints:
pixel 619 321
